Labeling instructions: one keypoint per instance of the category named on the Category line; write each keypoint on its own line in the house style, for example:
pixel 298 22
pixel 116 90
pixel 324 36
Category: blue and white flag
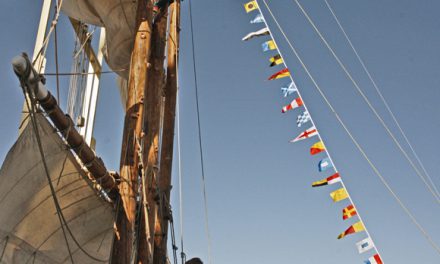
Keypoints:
pixel 258 19
pixel 364 245
pixel 325 164
pixel 303 118
pixel 289 90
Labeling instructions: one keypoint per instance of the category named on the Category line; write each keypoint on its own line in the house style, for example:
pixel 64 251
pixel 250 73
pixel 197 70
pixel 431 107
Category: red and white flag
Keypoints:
pixel 294 104
pixel 306 134
pixel 374 260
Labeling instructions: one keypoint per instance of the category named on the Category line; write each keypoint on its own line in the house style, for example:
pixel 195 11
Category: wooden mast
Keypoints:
pixel 125 246
pixel 152 113
pixel 141 225
pixel 164 180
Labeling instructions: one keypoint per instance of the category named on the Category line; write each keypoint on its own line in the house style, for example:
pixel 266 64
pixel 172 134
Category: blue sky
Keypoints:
pixel 261 206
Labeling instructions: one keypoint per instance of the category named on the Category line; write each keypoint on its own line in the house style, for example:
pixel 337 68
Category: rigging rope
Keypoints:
pixel 353 139
pixel 361 61
pixel 31 107
pixel 56 55
pixel 45 44
pixel 200 134
pixel 356 85
pixel 179 162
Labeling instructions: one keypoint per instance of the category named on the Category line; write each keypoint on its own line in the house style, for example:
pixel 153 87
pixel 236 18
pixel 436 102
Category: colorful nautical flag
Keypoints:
pixel 318 147
pixel 325 164
pixel 339 195
pixel 364 245
pixel 258 19
pixel 348 212
pixel 356 228
pixel 289 90
pixel 303 118
pixel 281 74
pixel 261 32
pixel 306 134
pixel 327 181
pixel 269 45
pixel 374 260
pixel 251 6
pixel 294 104
pixel 275 60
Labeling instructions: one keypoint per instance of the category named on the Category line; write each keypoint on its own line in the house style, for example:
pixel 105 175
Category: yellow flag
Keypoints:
pixel 251 6
pixel 269 45
pixel 339 195
pixel 275 60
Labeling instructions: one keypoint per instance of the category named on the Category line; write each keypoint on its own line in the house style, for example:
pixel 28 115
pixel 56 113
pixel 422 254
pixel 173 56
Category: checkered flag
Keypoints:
pixel 303 118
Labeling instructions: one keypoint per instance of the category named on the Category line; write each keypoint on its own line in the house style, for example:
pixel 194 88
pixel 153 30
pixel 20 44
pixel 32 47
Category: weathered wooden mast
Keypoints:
pixel 125 246
pixel 170 92
pixel 141 225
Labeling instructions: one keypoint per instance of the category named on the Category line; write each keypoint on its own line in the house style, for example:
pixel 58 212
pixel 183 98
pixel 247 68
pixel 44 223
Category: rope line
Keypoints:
pixel 44 46
pixel 361 61
pixel 179 162
pixel 81 73
pixel 4 248
pixel 356 85
pixel 200 135
pixel 56 56
pixel 31 107
pixel 359 147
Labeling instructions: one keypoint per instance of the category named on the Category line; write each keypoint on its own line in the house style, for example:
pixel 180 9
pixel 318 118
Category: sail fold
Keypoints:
pixel 30 230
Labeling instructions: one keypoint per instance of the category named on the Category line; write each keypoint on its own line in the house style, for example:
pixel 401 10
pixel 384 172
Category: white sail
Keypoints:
pixel 30 231
pixel 119 19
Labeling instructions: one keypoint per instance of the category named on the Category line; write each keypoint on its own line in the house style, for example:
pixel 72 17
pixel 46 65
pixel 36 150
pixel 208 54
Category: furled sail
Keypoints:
pixel 119 19
pixel 30 230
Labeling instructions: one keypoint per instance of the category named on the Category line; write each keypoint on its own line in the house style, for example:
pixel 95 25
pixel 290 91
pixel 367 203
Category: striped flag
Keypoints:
pixel 289 90
pixel 339 195
pixel 364 245
pixel 251 6
pixel 327 181
pixel 303 118
pixel 306 134
pixel 318 147
pixel 261 32
pixel 258 19
pixel 374 260
pixel 356 228
pixel 275 60
pixel 294 104
pixel 281 74
pixel 348 212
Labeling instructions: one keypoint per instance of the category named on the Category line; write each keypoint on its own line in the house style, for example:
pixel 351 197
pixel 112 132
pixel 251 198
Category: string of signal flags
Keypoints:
pixel 326 164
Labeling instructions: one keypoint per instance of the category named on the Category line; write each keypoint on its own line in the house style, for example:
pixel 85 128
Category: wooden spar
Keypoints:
pixel 125 247
pixel 24 69
pixel 153 99
pixel 164 179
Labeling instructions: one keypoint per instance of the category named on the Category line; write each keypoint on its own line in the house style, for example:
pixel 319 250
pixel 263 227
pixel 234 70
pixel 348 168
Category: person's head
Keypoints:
pixel 194 261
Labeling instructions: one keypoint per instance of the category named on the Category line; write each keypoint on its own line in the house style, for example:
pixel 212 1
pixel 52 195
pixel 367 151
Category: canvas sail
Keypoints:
pixel 29 226
pixel 119 19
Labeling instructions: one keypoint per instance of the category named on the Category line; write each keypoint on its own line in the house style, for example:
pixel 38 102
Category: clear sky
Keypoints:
pixel 262 208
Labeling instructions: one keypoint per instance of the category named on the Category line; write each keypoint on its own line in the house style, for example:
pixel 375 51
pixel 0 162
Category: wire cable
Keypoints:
pixel 200 135
pixel 179 164
pixel 353 139
pixel 361 61
pixel 356 85
pixel 56 56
